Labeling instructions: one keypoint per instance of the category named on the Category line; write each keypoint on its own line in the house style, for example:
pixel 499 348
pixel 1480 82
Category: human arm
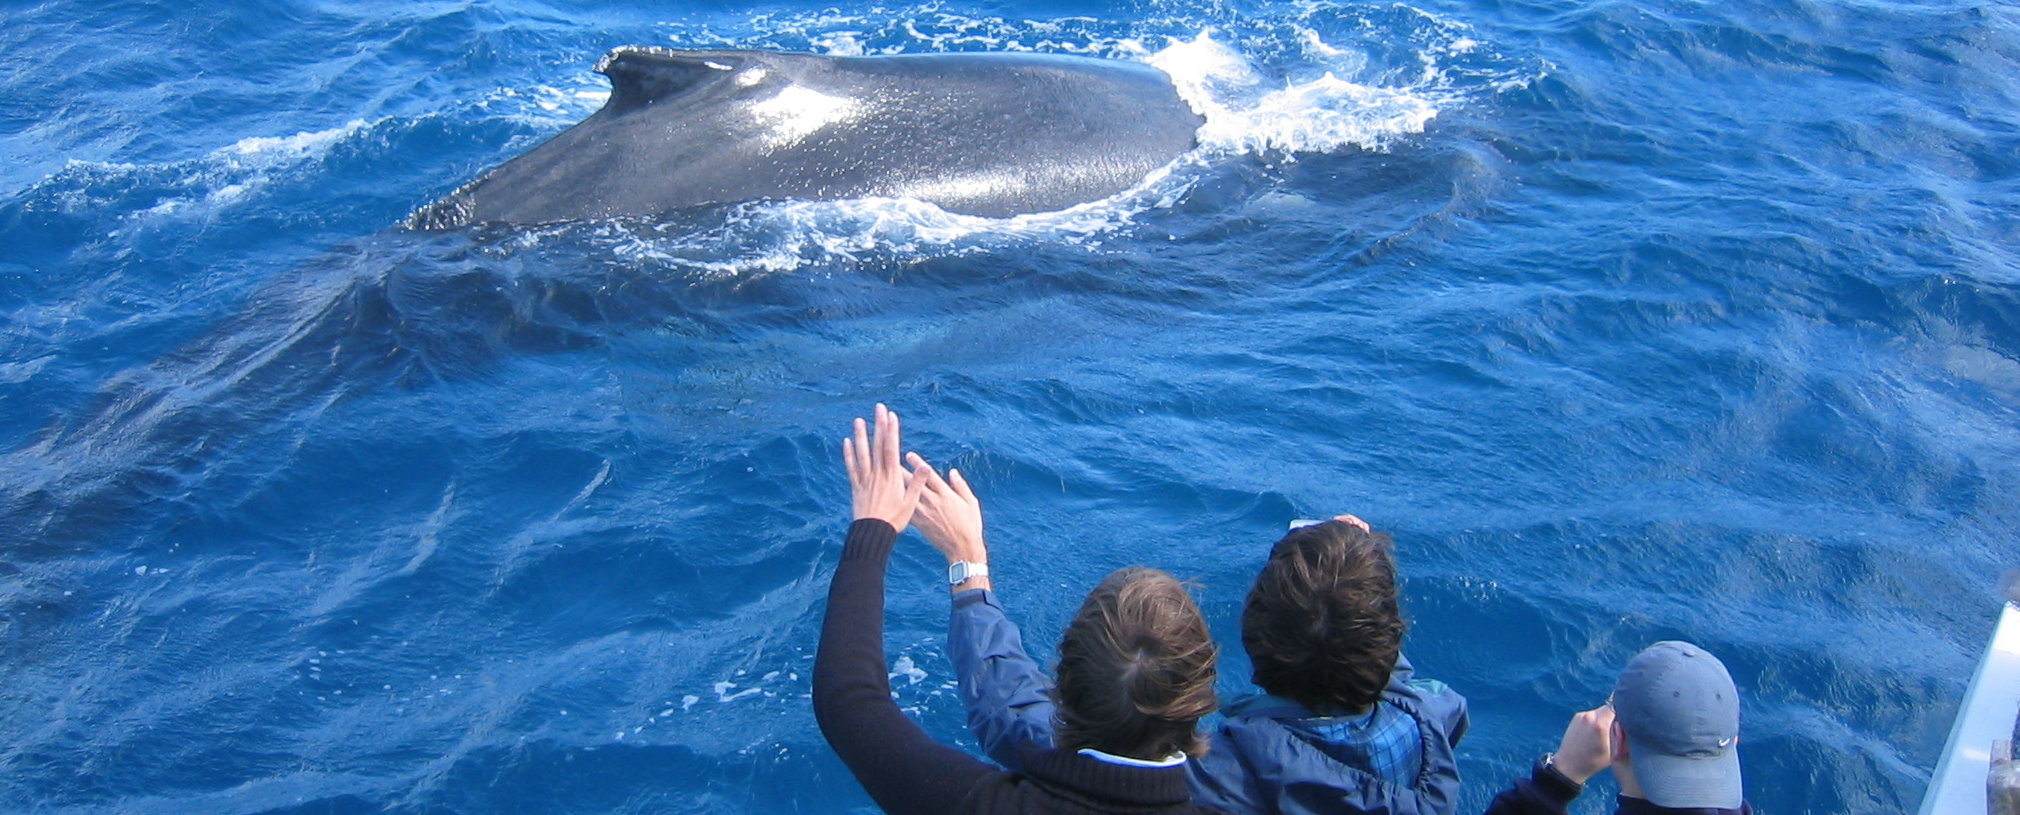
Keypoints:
pixel 1007 696
pixel 1587 745
pixel 1545 792
pixel 901 768
pixel 950 518
pixel 1557 779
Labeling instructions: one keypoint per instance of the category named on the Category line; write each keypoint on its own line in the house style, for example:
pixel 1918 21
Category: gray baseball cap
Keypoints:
pixel 1680 711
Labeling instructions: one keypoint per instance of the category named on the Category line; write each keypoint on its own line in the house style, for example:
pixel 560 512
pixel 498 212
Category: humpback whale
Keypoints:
pixel 978 134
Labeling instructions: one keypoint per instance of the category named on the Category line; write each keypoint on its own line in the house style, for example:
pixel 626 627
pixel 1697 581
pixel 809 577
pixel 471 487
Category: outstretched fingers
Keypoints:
pixel 853 455
pixel 887 438
pixel 950 517
pixel 932 515
pixel 926 471
pixel 879 484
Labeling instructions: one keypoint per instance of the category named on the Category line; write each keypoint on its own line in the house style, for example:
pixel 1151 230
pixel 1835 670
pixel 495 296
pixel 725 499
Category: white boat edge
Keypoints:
pixel 1991 705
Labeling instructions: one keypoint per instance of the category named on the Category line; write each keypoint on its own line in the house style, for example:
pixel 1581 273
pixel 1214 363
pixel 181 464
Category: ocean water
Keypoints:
pixel 1629 320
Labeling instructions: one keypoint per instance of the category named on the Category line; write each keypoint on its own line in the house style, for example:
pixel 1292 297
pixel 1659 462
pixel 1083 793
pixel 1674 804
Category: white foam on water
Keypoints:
pixel 1247 112
pixel 782 236
pixel 548 107
pixel 840 43
pixel 164 208
pixel 298 147
pixel 904 667
pixel 227 194
pixel 193 188
pixel 723 695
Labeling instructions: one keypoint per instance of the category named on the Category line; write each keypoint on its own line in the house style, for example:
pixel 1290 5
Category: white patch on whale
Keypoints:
pixel 796 112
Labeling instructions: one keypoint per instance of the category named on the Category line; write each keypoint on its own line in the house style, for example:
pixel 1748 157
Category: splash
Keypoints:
pixel 1246 113
pixel 304 146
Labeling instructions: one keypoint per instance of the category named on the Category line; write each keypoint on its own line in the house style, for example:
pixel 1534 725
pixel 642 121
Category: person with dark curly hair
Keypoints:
pixel 1343 724
pixel 1136 669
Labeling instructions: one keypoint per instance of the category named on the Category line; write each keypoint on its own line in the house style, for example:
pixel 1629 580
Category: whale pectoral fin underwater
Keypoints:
pixel 979 134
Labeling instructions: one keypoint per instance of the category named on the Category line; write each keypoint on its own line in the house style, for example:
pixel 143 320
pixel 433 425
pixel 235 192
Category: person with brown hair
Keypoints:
pixel 1136 668
pixel 1343 724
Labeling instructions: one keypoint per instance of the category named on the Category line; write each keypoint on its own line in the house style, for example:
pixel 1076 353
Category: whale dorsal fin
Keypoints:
pixel 641 75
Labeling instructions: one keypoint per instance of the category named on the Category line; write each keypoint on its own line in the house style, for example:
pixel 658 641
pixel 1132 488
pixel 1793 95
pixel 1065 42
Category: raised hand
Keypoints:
pixel 950 516
pixel 879 486
pixel 1587 746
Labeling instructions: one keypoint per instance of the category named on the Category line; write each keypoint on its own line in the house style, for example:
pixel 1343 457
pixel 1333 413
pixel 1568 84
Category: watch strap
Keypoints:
pixel 1545 773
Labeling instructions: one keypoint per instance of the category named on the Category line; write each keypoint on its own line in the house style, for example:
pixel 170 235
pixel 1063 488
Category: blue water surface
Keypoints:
pixel 1630 320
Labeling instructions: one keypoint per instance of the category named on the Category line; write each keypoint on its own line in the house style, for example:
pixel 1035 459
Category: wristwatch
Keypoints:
pixel 961 571
pixel 1546 768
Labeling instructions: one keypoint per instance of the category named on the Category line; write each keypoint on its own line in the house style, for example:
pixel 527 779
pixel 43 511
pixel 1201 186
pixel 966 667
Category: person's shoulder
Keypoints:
pixel 1429 687
pixel 1431 702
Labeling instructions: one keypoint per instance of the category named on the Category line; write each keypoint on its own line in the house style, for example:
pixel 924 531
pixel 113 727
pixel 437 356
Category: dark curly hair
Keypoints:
pixel 1322 624
pixel 1136 669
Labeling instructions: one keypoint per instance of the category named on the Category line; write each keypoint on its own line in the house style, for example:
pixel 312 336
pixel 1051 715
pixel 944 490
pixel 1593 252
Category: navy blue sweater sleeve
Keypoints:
pixel 1545 792
pixel 901 767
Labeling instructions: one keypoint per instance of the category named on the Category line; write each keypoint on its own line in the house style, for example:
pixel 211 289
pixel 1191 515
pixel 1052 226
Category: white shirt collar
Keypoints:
pixel 1172 760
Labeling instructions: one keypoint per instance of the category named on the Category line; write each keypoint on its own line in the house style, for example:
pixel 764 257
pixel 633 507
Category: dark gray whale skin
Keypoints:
pixel 980 134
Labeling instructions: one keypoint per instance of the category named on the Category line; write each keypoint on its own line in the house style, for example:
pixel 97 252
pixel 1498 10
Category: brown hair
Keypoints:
pixel 1135 669
pixel 1322 624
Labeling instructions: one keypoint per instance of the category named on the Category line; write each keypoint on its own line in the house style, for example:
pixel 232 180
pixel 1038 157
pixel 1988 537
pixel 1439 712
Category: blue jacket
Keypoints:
pixel 1268 755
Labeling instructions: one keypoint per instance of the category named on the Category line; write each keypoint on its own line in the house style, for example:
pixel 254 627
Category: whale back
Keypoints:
pixel 980 134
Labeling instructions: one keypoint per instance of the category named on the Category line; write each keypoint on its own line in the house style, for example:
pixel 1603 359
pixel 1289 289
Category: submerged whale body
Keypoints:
pixel 979 134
